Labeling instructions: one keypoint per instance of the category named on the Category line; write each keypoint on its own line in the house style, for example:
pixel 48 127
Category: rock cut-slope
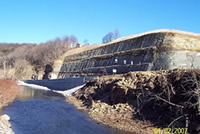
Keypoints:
pixel 155 50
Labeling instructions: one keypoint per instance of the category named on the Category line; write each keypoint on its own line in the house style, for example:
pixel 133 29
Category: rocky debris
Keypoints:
pixel 47 72
pixel 140 101
pixel 5 126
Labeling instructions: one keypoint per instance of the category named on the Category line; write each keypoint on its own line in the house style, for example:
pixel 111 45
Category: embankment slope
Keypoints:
pixel 138 102
pixel 8 92
pixel 155 50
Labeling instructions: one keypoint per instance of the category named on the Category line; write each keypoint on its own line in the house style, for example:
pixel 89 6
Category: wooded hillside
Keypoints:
pixel 20 57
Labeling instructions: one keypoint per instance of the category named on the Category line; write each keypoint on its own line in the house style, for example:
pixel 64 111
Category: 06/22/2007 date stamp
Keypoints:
pixel 170 130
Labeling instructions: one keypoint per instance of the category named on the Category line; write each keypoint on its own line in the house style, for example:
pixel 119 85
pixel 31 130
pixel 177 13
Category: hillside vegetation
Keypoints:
pixel 8 92
pixel 20 61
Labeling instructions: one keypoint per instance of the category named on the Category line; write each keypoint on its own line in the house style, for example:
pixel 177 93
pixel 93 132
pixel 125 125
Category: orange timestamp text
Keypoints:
pixel 170 130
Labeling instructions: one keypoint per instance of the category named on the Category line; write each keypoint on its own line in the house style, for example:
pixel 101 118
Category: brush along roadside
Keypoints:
pixel 8 92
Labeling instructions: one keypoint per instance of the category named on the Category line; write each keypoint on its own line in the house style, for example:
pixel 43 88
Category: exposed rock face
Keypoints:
pixel 140 101
pixel 163 49
pixel 5 126
pixel 47 71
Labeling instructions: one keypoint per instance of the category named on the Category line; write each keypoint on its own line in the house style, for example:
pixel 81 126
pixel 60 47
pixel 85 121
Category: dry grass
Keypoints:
pixel 8 91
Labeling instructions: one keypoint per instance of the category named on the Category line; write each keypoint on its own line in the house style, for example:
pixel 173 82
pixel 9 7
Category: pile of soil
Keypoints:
pixel 141 101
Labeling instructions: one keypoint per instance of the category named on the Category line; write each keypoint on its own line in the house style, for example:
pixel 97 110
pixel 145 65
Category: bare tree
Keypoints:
pixel 86 42
pixel 73 40
pixel 66 41
pixel 108 37
pixel 111 36
pixel 37 55
pixel 116 33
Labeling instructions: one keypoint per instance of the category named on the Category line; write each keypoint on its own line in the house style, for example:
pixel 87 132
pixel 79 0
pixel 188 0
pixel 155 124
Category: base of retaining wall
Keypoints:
pixel 61 84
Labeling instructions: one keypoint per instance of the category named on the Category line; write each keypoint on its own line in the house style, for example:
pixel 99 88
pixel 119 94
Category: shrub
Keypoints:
pixel 8 91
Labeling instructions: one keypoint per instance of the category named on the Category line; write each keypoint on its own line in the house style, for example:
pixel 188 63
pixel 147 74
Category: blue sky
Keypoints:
pixel 35 21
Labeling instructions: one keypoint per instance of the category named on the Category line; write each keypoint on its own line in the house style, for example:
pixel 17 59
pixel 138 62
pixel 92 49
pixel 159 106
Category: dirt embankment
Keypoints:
pixel 141 101
pixel 8 92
